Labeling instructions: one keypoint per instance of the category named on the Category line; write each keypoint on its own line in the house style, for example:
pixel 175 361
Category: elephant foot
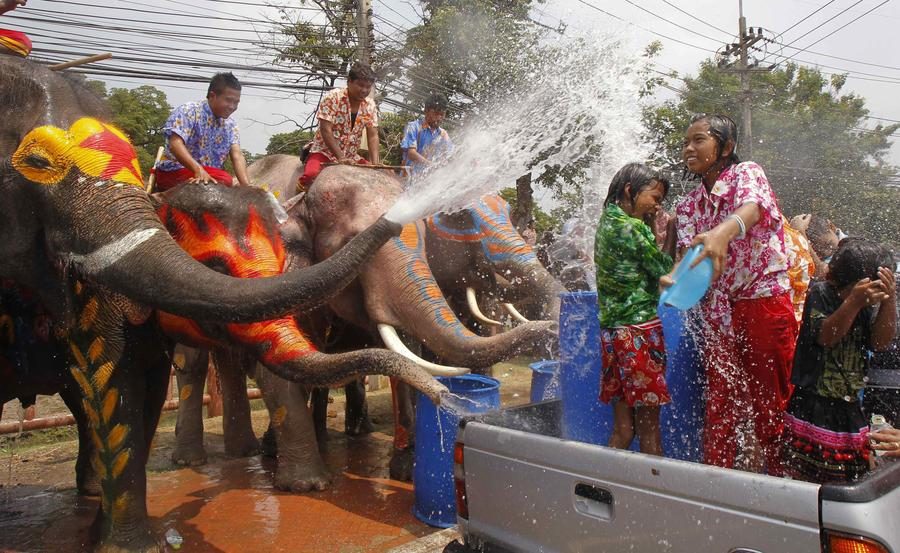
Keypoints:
pixel 300 478
pixel 140 539
pixel 268 445
pixel 359 427
pixel 189 455
pixel 401 465
pixel 248 446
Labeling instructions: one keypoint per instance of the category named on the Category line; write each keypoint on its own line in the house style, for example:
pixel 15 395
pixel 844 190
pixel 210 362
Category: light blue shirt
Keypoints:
pixel 208 138
pixel 430 143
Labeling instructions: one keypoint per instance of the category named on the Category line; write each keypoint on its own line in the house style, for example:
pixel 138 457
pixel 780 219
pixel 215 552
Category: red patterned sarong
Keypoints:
pixel 169 179
pixel 16 42
pixel 634 365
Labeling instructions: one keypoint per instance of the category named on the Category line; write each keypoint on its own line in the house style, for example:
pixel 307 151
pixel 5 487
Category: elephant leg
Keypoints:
pixel 300 466
pixel 401 464
pixel 87 482
pixel 232 366
pixel 356 409
pixel 191 377
pixel 319 404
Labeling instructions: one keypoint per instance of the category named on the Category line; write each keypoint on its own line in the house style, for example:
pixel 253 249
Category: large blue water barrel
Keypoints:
pixel 586 419
pixel 435 437
pixel 544 380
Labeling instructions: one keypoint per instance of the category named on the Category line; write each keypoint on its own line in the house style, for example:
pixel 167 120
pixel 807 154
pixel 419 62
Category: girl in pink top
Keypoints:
pixel 747 328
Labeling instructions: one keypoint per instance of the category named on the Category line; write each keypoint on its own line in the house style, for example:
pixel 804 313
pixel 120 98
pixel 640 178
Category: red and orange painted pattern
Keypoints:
pixel 257 252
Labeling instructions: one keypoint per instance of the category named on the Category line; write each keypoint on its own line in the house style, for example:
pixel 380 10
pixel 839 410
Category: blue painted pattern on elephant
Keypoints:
pixel 418 276
pixel 493 228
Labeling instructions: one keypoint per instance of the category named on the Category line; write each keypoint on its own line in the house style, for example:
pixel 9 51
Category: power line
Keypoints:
pixel 807 17
pixel 695 18
pixel 841 27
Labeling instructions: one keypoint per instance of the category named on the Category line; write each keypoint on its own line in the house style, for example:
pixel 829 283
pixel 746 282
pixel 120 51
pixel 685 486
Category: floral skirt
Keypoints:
pixel 634 365
pixel 825 439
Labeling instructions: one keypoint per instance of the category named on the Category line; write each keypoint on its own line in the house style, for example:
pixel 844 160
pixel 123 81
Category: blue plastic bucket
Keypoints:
pixel 435 496
pixel 690 283
pixel 586 419
pixel 544 380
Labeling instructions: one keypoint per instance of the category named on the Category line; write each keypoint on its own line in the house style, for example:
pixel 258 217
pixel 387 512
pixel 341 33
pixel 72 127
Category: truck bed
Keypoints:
pixel 530 490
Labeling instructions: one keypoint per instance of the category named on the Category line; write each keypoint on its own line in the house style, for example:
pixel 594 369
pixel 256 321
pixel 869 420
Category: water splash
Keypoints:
pixel 577 105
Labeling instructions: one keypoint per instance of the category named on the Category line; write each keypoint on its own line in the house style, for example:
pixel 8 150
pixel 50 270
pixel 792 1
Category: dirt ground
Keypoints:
pixel 229 504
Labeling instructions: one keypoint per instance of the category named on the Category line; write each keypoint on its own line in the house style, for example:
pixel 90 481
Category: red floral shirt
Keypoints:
pixel 757 265
pixel 335 108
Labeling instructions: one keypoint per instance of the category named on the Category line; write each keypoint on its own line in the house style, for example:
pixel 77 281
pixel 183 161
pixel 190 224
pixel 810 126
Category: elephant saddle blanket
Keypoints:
pixel 14 42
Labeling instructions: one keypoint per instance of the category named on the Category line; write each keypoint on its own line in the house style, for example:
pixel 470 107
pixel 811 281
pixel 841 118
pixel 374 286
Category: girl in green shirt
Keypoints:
pixel 629 266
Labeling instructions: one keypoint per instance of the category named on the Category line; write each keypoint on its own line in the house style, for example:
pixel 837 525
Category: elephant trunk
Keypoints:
pixel 415 302
pixel 149 267
pixel 532 283
pixel 321 369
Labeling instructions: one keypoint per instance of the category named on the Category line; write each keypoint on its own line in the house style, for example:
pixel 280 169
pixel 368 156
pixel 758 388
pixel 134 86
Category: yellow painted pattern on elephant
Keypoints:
pixel 47 154
pixel 278 416
pixel 185 392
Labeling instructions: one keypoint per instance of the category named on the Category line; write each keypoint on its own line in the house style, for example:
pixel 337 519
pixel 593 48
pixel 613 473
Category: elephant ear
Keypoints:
pixel 297 233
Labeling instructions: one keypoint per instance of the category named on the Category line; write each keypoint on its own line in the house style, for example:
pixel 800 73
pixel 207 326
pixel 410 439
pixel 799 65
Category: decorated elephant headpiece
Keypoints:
pixel 48 154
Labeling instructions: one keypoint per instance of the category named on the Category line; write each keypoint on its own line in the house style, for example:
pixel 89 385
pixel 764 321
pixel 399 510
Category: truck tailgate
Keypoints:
pixel 529 492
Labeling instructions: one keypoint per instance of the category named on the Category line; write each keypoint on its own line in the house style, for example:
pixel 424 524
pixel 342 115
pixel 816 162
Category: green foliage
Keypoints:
pixel 809 136
pixel 141 113
pixel 390 130
pixel 542 220
pixel 289 142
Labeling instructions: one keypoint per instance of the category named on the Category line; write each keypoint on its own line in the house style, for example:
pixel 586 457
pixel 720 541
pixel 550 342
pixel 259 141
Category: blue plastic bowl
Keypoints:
pixel 690 283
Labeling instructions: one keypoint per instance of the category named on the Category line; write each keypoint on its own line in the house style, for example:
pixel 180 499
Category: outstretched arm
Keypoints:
pixel 372 137
pixel 184 157
pixel 327 130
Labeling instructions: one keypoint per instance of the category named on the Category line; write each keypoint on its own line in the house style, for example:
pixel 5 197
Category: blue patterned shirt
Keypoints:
pixel 429 143
pixel 208 138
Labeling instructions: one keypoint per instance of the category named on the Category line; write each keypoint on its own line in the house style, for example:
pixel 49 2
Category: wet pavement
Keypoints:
pixel 229 505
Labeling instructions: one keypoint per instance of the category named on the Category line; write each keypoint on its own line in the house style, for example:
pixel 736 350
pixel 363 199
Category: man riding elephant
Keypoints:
pixel 80 230
pixel 200 135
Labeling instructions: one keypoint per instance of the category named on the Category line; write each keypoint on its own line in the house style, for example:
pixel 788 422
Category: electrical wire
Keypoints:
pixel 808 16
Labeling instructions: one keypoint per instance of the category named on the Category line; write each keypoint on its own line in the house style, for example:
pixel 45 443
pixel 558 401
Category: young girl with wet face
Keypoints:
pixel 745 323
pixel 629 266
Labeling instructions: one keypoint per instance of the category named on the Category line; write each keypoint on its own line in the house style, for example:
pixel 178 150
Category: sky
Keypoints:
pixel 201 37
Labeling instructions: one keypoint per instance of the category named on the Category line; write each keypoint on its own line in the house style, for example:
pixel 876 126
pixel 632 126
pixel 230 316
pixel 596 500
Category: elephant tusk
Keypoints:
pixel 392 342
pixel 515 313
pixel 473 307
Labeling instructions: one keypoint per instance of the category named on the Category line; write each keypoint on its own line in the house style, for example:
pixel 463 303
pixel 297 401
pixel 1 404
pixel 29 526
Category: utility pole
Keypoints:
pixel 364 31
pixel 743 67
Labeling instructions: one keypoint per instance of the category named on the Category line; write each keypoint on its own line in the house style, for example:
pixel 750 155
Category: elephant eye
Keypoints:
pixel 37 161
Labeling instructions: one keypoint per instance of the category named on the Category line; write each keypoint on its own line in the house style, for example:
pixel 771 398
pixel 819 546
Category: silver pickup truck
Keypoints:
pixel 521 487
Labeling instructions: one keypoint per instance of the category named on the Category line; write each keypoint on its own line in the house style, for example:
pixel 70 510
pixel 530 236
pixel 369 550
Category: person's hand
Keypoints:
pixel 800 223
pixel 888 283
pixel 666 281
pixel 715 248
pixel 202 177
pixel 346 161
pixel 887 440
pixel 9 5
pixel 867 292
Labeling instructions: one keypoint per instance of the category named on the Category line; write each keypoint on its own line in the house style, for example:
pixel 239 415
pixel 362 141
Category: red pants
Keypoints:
pixel 169 179
pixel 748 379
pixel 15 42
pixel 314 166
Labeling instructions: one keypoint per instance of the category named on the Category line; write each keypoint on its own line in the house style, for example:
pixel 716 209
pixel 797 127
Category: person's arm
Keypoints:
pixel 327 130
pixel 865 293
pixel 240 164
pixel 413 155
pixel 374 145
pixel 884 329
pixel 10 5
pixel 715 242
pixel 184 157
pixel 887 440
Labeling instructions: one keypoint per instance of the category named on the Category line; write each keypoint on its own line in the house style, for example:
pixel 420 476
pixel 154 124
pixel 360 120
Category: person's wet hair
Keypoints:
pixel 222 81
pixel 856 259
pixel 361 71
pixel 436 102
pixel 723 129
pixel 818 227
pixel 639 176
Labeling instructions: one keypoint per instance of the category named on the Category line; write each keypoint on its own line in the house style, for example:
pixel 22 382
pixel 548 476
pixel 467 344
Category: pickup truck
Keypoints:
pixel 521 487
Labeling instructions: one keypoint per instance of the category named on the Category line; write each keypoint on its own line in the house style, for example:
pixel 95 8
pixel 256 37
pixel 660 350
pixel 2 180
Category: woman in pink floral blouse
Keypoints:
pixel 747 328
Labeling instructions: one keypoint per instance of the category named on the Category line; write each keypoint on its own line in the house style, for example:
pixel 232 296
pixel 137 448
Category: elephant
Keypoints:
pixel 479 248
pixel 80 231
pixel 395 289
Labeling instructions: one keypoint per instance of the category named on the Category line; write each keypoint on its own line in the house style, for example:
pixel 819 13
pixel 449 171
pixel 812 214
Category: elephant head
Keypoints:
pixel 479 248
pixel 74 200
pixel 396 288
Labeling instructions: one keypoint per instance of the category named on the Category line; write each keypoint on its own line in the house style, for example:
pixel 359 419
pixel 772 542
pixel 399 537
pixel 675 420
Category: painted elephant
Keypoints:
pixel 479 248
pixel 395 289
pixel 79 229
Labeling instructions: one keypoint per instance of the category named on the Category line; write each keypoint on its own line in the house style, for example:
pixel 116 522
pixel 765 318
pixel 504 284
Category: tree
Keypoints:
pixel 141 113
pixel 288 142
pixel 810 137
